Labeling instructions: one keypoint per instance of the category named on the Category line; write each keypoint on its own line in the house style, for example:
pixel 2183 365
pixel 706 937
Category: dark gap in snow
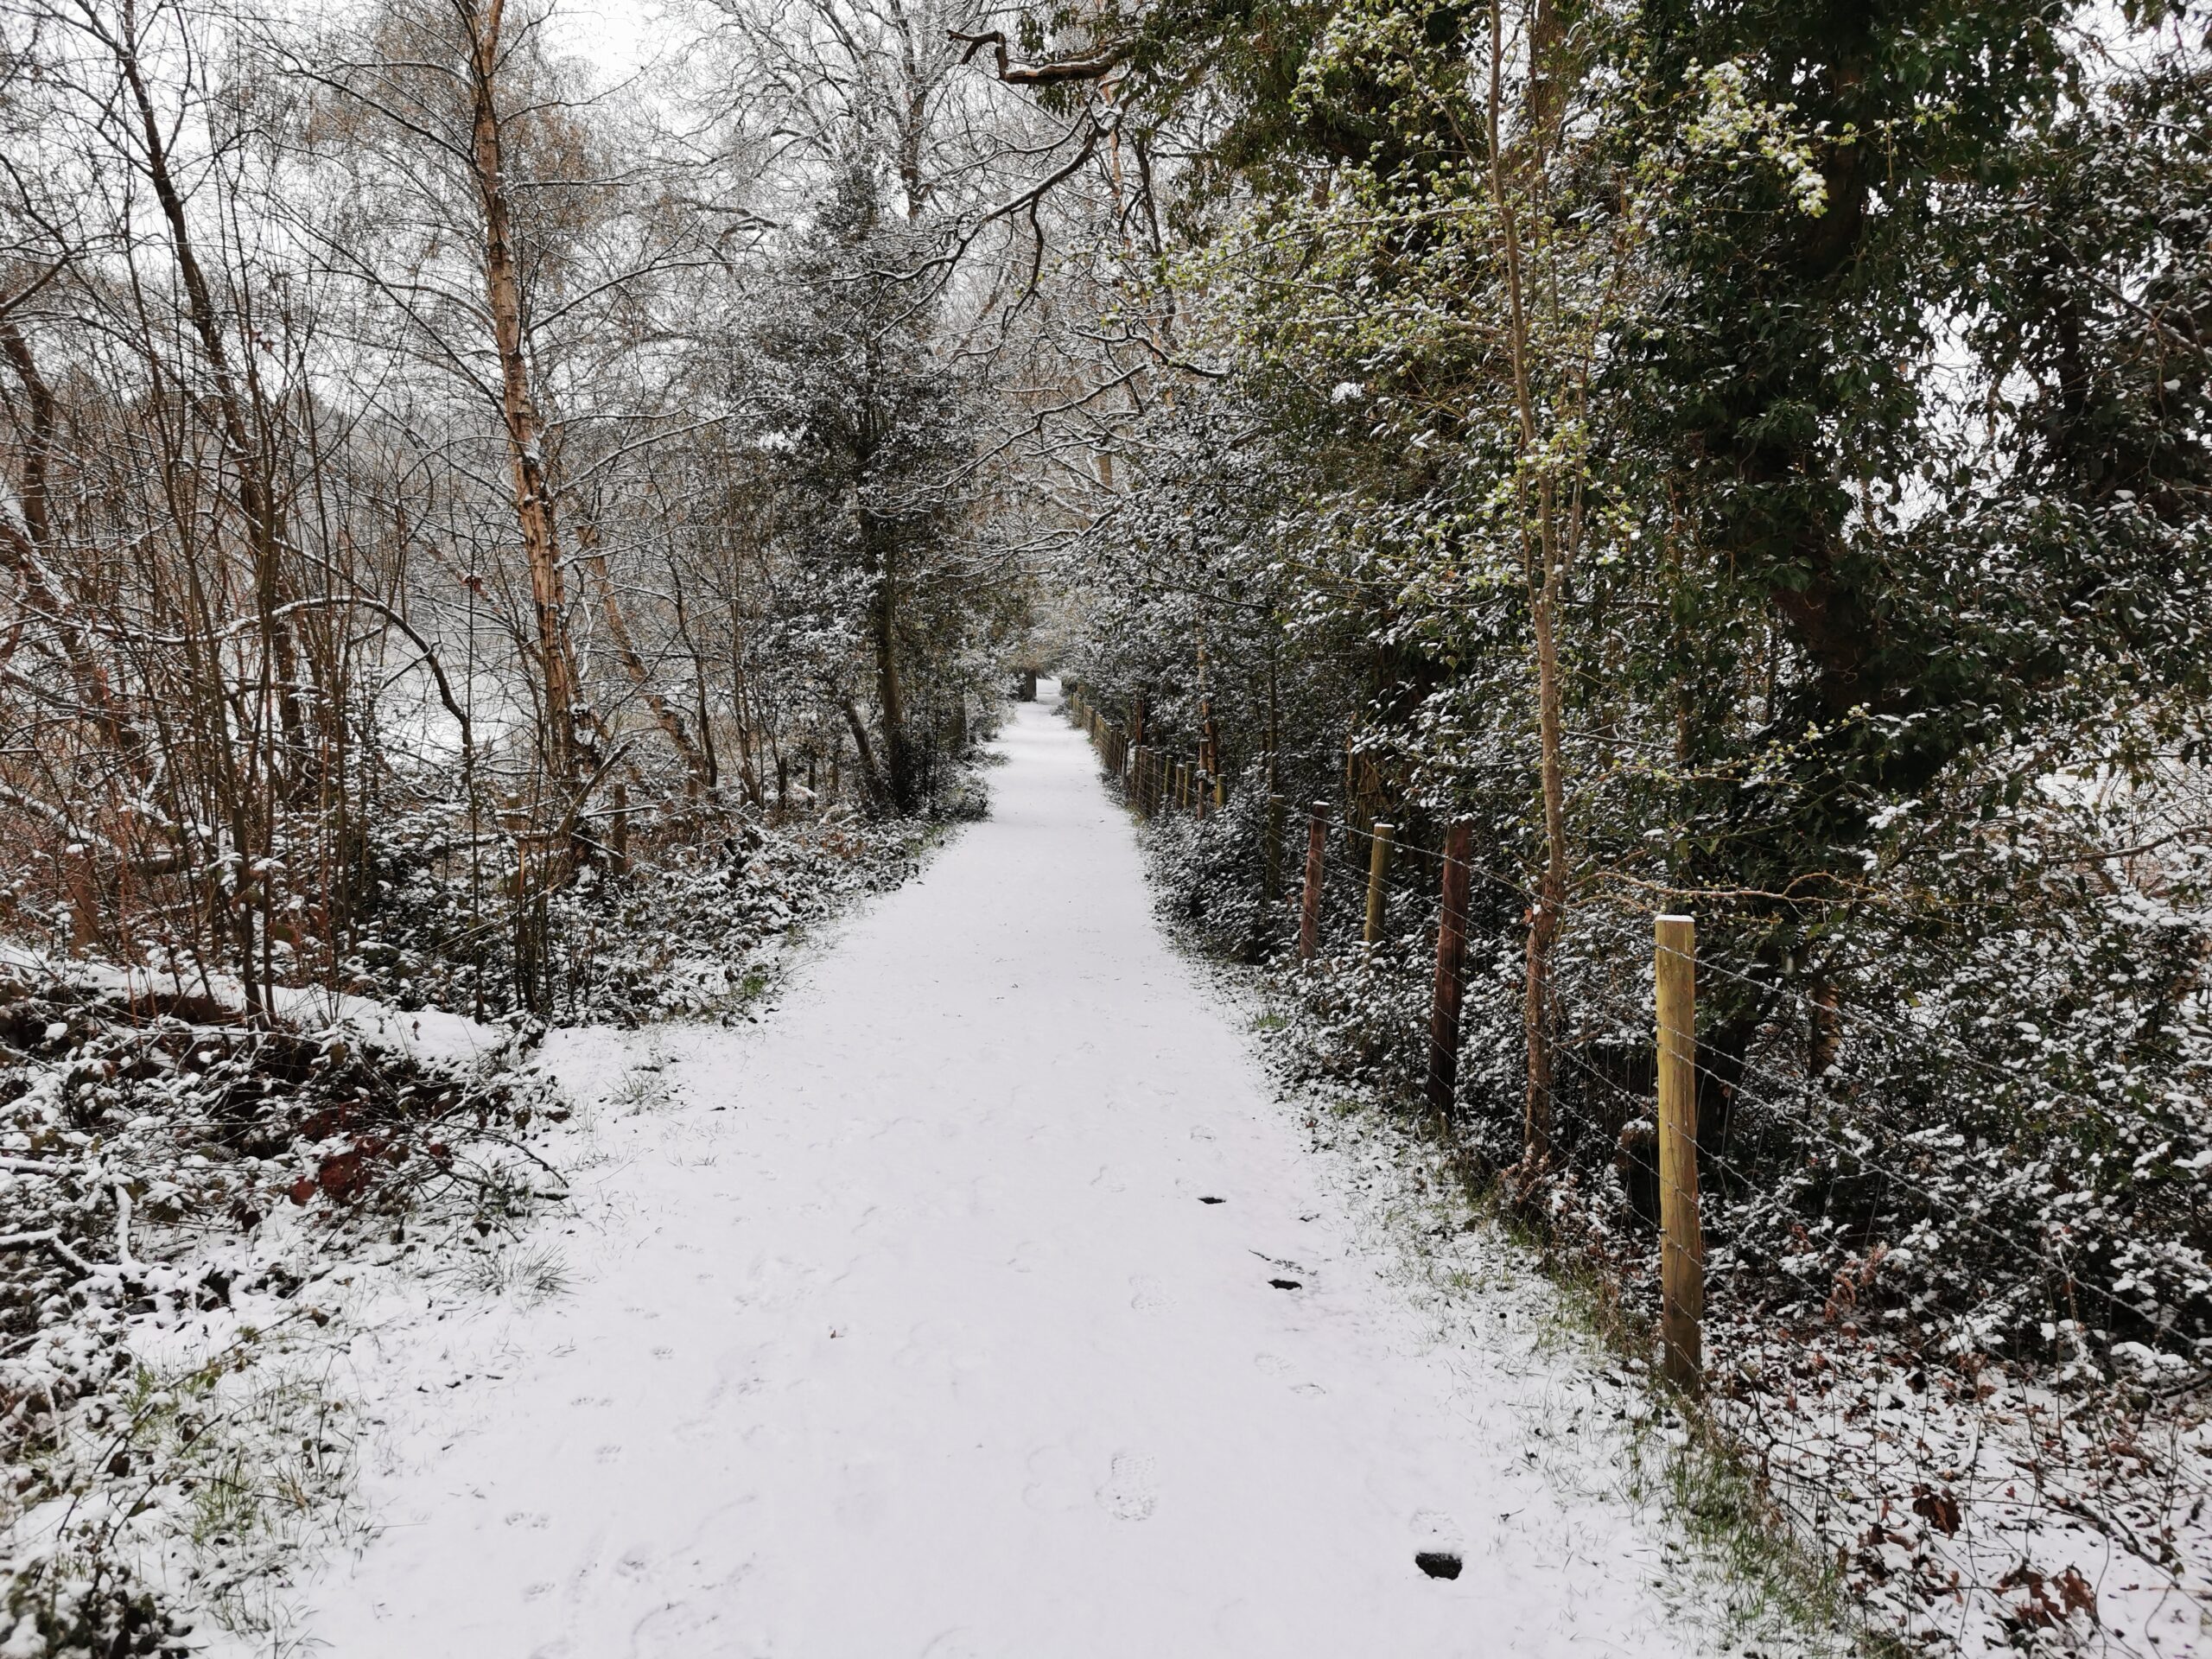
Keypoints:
pixel 1438 1563
pixel 1209 1198
pixel 1287 1284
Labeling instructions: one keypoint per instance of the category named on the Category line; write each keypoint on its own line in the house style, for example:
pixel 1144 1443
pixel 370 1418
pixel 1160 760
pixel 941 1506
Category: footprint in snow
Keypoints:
pixel 1131 1490
pixel 1147 1294
pixel 953 1644
pixel 1058 1481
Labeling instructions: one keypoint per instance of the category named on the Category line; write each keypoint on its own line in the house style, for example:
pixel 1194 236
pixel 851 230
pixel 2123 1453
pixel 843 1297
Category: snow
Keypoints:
pixel 431 1035
pixel 898 1324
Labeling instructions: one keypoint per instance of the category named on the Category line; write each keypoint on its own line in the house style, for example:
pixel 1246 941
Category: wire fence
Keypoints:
pixel 1960 1378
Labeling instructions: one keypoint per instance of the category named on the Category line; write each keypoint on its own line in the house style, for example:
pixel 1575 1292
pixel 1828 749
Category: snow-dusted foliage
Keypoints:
pixel 1960 1340
pixel 187 1182
pixel 1602 453
pixel 174 1178
pixel 691 928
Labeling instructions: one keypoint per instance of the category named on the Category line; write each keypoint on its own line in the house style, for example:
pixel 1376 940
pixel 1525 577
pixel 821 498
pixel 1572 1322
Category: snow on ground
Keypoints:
pixel 982 1302
pixel 430 1036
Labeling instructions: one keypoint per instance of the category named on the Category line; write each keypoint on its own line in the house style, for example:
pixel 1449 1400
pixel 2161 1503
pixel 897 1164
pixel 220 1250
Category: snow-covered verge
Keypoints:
pixel 693 930
pixel 1595 1426
pixel 1967 1500
pixel 179 1184
pixel 198 1211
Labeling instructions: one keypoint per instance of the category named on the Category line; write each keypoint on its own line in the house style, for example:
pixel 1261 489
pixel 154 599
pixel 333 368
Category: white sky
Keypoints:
pixel 617 37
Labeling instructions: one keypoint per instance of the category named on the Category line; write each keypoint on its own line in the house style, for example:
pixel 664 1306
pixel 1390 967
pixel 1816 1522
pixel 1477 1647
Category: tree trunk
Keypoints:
pixel 695 779
pixel 1550 897
pixel 1551 891
pixel 898 753
pixel 265 515
pixel 27 549
pixel 564 746
pixel 869 775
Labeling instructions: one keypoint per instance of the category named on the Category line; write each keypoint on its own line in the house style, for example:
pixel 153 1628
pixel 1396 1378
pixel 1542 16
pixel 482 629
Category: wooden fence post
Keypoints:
pixel 1681 1247
pixel 1309 913
pixel 1451 972
pixel 1378 867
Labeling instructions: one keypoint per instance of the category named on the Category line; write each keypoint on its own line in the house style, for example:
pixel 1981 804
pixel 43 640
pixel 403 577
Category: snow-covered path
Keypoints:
pixel 906 1329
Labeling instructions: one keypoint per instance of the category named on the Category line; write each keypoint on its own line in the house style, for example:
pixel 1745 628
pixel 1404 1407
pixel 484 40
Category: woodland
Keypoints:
pixel 505 510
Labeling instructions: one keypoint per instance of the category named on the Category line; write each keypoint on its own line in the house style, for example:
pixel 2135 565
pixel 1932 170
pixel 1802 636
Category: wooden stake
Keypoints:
pixel 1682 1250
pixel 1309 913
pixel 1451 972
pixel 1378 867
